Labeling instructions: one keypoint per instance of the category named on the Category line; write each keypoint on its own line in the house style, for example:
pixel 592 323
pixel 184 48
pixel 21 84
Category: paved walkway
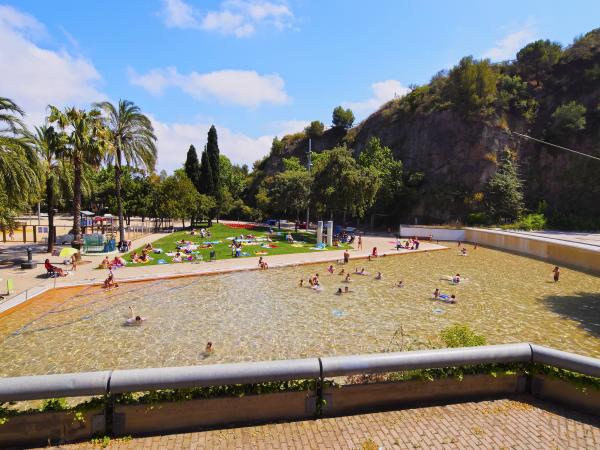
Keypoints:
pixel 500 424
pixel 31 282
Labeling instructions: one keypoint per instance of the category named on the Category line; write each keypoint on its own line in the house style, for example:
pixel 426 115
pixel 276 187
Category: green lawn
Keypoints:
pixel 220 232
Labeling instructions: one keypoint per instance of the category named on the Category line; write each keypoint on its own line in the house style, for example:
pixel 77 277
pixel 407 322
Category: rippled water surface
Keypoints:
pixel 264 315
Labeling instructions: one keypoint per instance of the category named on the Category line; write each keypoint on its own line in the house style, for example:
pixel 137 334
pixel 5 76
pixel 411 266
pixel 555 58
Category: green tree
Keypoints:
pixel 536 59
pixel 51 146
pixel 87 141
pixel 192 167
pixel 568 118
pixel 504 191
pixel 289 191
pixel 342 186
pixel 18 159
pixel 277 146
pixel 206 175
pixel 131 139
pixel 471 86
pixel 178 198
pixel 316 129
pixel 212 151
pixel 379 160
pixel 342 118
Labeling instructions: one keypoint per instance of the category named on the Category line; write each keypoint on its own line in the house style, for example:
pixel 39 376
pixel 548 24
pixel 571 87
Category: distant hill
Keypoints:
pixel 455 129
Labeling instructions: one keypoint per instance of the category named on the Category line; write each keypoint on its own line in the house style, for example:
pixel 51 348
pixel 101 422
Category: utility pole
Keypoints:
pixel 309 164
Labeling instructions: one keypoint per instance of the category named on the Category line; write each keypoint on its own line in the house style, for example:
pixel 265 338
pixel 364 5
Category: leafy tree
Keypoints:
pixel 87 142
pixel 342 118
pixel 379 159
pixel 504 191
pixel 18 159
pixel 536 59
pixel 277 146
pixel 192 167
pixel 513 95
pixel 316 129
pixel 233 177
pixel 51 146
pixel 206 175
pixel 289 191
pixel 568 118
pixel 341 185
pixel 471 86
pixel 131 139
pixel 293 163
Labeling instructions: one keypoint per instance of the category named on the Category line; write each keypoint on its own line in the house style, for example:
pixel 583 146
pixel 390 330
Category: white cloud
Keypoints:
pixel 239 18
pixel 174 139
pixel 509 45
pixel 383 91
pixel 283 127
pixel 178 14
pixel 239 87
pixel 34 77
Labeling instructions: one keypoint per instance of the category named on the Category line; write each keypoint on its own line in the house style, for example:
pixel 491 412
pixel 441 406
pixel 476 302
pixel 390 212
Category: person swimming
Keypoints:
pixel 347 279
pixel 133 319
pixel 456 278
pixel 339 291
pixel 347 290
pixel 400 284
pixel 207 350
pixel 463 251
pixel 379 276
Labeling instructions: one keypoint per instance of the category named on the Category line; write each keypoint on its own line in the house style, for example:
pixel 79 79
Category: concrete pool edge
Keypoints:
pixel 22 299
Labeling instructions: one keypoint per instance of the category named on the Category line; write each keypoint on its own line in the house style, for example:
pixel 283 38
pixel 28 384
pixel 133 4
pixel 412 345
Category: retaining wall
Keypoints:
pixel 438 234
pixel 575 255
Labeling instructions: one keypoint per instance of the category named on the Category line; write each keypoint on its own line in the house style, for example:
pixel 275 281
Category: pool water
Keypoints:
pixel 260 315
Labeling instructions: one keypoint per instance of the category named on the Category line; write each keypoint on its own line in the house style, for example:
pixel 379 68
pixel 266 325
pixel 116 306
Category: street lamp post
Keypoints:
pixel 309 164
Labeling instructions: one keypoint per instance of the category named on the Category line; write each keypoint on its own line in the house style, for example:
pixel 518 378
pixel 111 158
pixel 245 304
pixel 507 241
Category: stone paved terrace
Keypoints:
pixel 522 423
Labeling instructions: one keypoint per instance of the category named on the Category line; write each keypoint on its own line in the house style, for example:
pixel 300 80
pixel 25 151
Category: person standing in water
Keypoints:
pixel 556 272
pixel 359 242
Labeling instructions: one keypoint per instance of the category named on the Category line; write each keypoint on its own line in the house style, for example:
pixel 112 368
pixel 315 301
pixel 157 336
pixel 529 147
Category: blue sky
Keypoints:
pixel 254 68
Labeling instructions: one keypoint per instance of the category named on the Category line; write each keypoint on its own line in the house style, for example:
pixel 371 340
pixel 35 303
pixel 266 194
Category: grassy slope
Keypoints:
pixel 220 232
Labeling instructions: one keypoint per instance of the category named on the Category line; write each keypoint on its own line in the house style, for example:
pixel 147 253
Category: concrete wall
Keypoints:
pixel 40 429
pixel 202 413
pixel 565 393
pixel 439 234
pixel 561 253
pixel 352 399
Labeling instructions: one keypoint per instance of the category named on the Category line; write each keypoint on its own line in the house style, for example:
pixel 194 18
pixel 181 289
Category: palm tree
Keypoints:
pixel 87 139
pixel 18 161
pixel 51 146
pixel 132 139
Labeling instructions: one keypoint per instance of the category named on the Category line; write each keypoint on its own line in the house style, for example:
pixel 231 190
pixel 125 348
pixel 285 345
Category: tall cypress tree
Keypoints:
pixel 192 167
pixel 212 148
pixel 206 176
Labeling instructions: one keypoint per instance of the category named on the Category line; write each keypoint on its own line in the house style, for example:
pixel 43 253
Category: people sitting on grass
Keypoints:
pixel 177 258
pixel 105 264
pixel 148 247
pixel 57 270
pixel 118 262
pixel 289 238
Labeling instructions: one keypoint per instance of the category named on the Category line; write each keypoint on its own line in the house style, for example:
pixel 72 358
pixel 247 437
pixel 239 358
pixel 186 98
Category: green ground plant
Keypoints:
pixel 220 232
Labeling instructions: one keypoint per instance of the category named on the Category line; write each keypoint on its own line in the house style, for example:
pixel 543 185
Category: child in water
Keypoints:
pixel 379 276
pixel 436 293
pixel 400 284
pixel 347 279
pixel 301 283
pixel 331 269
pixel 339 291
pixel 556 272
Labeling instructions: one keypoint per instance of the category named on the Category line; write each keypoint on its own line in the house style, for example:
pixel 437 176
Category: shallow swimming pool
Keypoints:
pixel 258 315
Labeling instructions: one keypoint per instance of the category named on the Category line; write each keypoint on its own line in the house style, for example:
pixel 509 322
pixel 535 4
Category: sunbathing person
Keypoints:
pixel 105 264
pixel 177 258
pixel 57 270
pixel 148 247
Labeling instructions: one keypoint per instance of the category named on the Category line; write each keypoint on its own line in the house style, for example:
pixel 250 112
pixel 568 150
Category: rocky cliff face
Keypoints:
pixel 457 155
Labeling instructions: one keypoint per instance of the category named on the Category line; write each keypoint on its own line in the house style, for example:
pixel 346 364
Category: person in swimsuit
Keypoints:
pixel 331 269
pixel 456 278
pixel 379 276
pixel 436 293
pixel 400 284
pixel 346 290
pixel 347 279
pixel 556 272
pixel 339 291
pixel 301 283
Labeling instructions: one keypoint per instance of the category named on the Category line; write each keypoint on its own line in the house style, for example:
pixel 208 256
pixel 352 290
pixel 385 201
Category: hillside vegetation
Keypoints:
pixel 452 154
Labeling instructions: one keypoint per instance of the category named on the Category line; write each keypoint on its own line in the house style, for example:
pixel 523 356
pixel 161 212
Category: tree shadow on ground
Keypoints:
pixel 583 307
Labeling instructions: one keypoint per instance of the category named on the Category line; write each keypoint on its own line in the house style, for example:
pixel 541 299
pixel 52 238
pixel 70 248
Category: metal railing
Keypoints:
pixel 135 380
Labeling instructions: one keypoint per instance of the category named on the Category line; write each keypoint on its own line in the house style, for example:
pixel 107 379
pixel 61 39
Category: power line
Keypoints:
pixel 554 145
